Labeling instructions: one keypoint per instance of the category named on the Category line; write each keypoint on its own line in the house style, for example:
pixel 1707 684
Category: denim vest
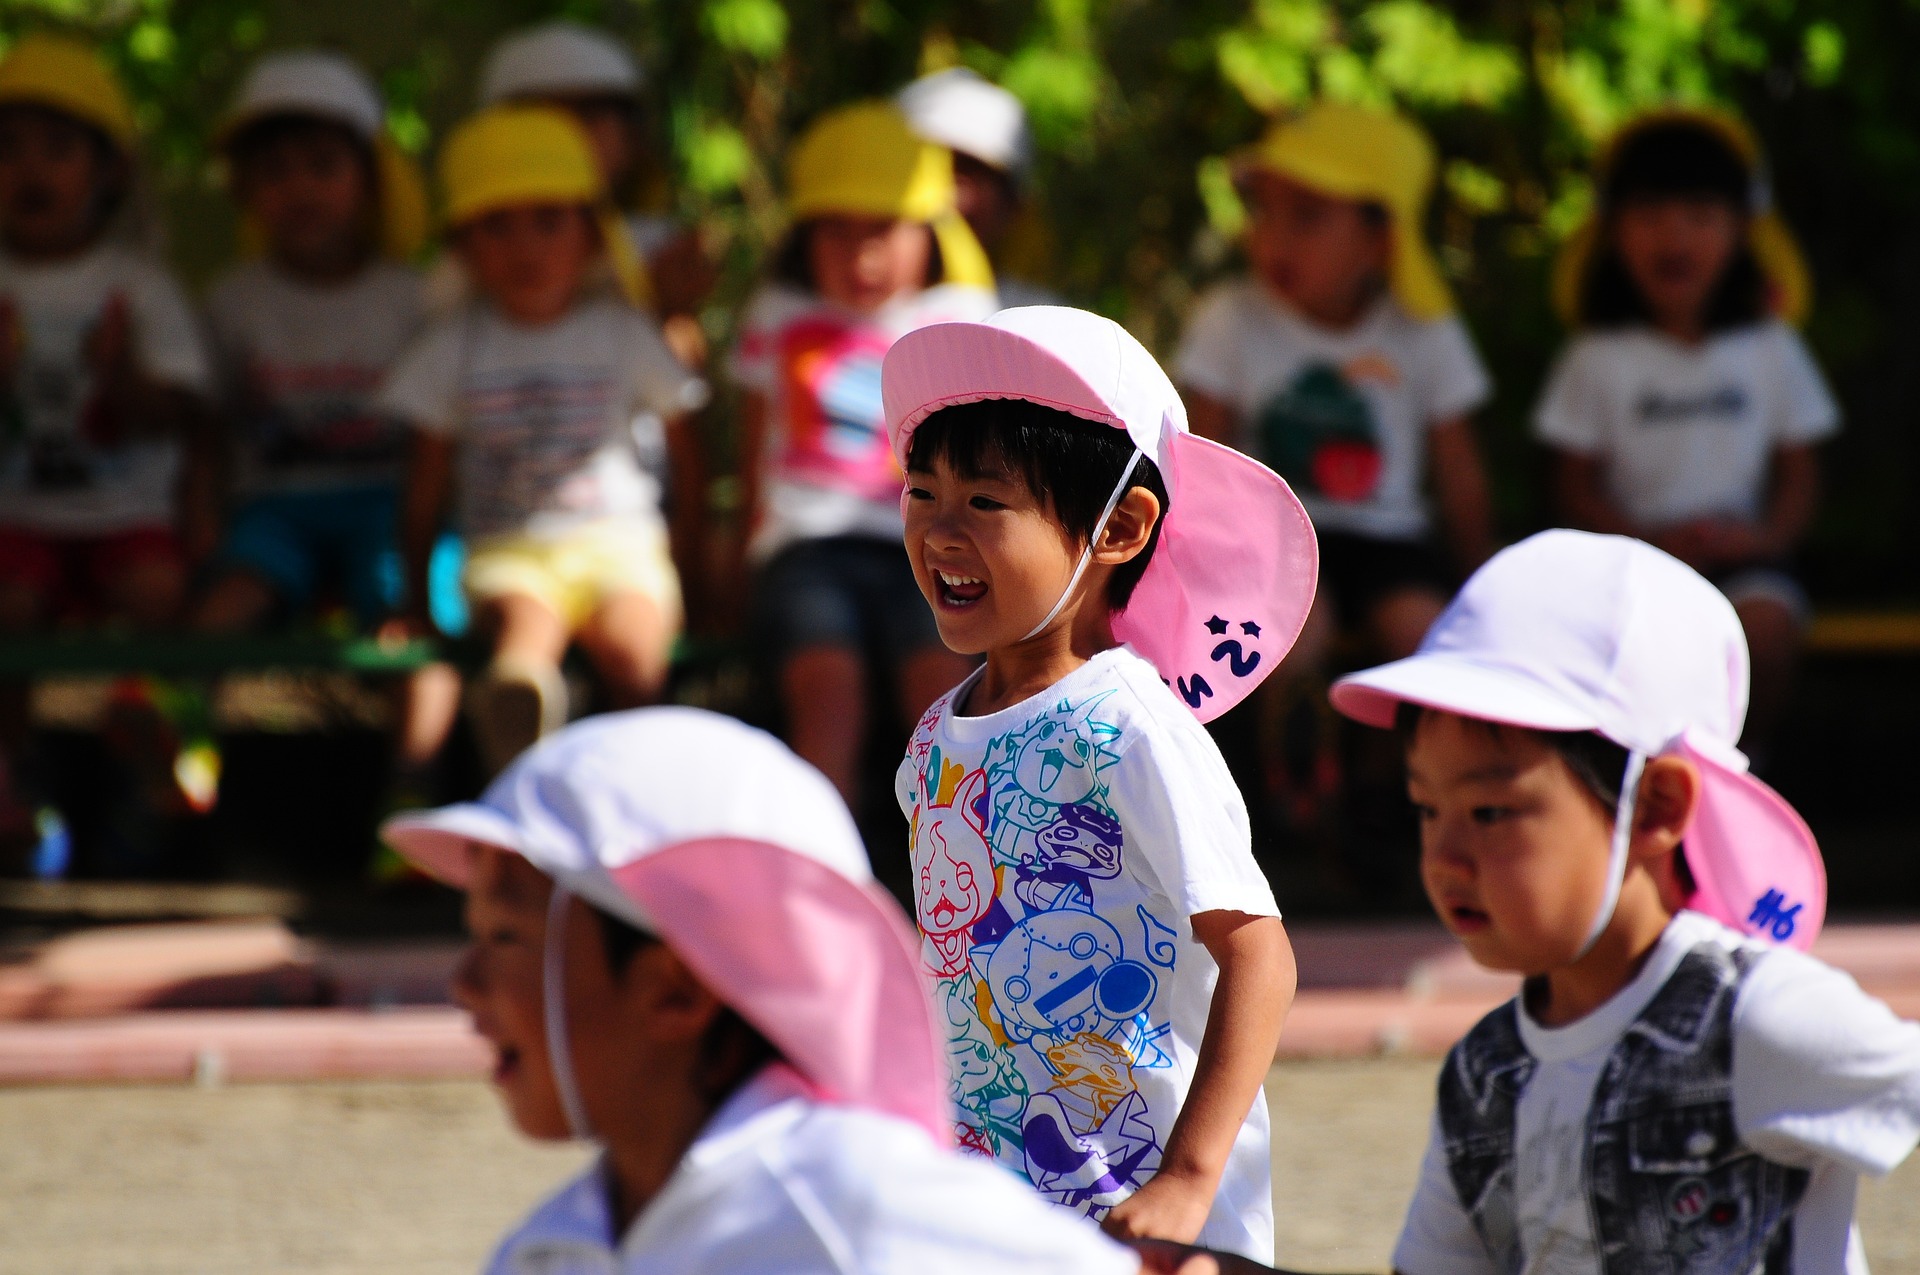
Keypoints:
pixel 1671 1190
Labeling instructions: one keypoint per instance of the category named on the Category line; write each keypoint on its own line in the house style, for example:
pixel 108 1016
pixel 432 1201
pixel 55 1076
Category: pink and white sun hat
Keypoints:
pixel 1232 577
pixel 1568 631
pixel 742 858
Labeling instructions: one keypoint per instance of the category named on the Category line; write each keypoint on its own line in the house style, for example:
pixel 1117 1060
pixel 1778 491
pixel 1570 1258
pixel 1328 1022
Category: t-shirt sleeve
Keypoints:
pixel 1454 381
pixel 1438 1236
pixel 1806 412
pixel 166 336
pixel 662 384
pixel 423 389
pixel 1182 814
pixel 1571 414
pixel 1821 1070
pixel 1208 359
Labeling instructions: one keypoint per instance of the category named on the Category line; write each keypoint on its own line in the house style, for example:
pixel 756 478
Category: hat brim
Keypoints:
pixel 439 842
pixel 1454 684
pixel 1755 863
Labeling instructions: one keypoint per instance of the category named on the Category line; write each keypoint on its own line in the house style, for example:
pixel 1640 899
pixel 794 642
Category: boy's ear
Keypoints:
pixel 1669 795
pixel 669 996
pixel 1129 529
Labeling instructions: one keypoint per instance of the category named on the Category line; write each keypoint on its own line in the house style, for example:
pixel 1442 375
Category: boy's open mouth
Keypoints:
pixel 506 1061
pixel 959 590
pixel 1468 920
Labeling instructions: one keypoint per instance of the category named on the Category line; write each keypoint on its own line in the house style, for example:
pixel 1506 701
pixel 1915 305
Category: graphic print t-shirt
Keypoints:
pixel 300 367
pixel 552 422
pixel 1060 847
pixel 1686 432
pixel 1342 416
pixel 67 465
pixel 829 470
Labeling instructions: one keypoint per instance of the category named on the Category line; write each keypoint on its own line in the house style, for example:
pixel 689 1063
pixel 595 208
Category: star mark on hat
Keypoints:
pixel 1249 628
pixel 1216 625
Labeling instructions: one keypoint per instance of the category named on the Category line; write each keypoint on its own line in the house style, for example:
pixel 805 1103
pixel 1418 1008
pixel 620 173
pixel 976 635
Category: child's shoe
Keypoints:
pixel 514 704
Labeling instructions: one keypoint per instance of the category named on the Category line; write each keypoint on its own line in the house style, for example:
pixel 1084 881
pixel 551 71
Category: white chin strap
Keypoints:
pixel 1086 555
pixel 1617 858
pixel 553 987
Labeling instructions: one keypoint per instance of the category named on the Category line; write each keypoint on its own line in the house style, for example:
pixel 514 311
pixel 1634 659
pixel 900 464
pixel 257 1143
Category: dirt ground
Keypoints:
pixel 418 1179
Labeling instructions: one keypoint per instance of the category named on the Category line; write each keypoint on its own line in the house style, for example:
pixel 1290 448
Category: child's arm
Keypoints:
pixel 423 504
pixel 1210 417
pixel 1250 1002
pixel 1460 484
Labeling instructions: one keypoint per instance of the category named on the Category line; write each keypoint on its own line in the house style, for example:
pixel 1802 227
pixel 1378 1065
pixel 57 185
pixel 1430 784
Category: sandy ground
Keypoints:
pixel 386 1179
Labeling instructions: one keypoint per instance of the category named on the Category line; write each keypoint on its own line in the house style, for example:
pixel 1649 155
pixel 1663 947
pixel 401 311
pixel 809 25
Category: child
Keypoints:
pixel 527 403
pixel 1341 363
pixel 986 129
pixel 1673 1090
pixel 876 250
pixel 1107 957
pixel 678 951
pixel 101 366
pixel 304 335
pixel 1686 410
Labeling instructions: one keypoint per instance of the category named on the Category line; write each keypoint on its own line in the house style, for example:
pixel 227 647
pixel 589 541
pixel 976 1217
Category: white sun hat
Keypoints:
pixel 309 82
pixel 1568 631
pixel 558 58
pixel 741 857
pixel 959 110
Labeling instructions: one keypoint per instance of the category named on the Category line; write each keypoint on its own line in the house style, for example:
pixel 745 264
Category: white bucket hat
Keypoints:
pixel 309 82
pixel 959 110
pixel 742 858
pixel 558 58
pixel 1568 631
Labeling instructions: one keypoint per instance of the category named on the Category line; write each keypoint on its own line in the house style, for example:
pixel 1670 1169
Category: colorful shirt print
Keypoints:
pixel 1059 849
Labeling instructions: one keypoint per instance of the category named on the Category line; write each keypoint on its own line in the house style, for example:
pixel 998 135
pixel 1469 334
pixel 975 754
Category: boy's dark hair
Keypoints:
pixel 733 1049
pixel 793 265
pixel 257 136
pixel 1675 159
pixel 1070 463
pixel 113 165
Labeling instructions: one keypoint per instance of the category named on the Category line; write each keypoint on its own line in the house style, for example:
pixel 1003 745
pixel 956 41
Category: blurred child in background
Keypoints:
pixel 986 129
pixel 526 406
pixel 1686 410
pixel 877 249
pixel 595 79
pixel 105 476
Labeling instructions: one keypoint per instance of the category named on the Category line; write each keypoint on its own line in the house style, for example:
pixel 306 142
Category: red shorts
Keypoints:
pixel 75 573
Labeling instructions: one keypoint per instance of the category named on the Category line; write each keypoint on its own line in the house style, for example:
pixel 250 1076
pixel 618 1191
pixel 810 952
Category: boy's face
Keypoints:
pixel 51 170
pixel 1513 847
pixel 1323 255
pixel 1675 249
pixel 312 192
pixel 990 556
pixel 986 198
pixel 864 262
pixel 531 260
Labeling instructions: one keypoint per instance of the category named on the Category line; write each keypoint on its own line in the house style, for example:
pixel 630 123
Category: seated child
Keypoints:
pixel 526 404
pixel 1340 362
pixel 100 362
pixel 1677 1087
pixel 303 336
pixel 1686 410
pixel 986 129
pixel 1108 960
pixel 876 250
pixel 678 951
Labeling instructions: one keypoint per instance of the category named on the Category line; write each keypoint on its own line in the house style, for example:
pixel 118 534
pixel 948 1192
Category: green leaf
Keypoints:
pixel 1823 51
pixel 757 28
pixel 717 158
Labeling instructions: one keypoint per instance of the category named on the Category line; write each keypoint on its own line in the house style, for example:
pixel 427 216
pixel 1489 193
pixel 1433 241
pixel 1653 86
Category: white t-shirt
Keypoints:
pixel 300 366
pixel 1684 431
pixel 1825 1078
pixel 1060 849
pixel 552 422
pixel 829 469
pixel 780 1184
pixel 65 468
pixel 1342 416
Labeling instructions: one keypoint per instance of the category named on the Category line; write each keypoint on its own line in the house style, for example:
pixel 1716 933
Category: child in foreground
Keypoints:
pixel 528 404
pixel 1109 964
pixel 1677 1087
pixel 679 952
pixel 1686 410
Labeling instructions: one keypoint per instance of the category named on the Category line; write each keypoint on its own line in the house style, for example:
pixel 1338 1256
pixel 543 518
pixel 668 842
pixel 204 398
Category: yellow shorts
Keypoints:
pixel 576 572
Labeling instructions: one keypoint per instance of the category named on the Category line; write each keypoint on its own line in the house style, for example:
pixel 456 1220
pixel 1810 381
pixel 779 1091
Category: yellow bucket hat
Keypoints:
pixel 509 155
pixel 1789 283
pixel 863 160
pixel 1355 152
pixel 68 75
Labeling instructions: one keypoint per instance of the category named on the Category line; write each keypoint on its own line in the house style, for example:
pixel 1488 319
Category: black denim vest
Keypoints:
pixel 1671 1189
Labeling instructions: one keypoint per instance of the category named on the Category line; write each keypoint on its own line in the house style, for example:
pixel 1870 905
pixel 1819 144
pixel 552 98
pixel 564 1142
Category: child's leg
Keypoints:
pixel 521 696
pixel 141 577
pixel 1400 617
pixel 629 604
pixel 824 692
pixel 807 605
pixel 630 641
pixel 1773 647
pixel 238 602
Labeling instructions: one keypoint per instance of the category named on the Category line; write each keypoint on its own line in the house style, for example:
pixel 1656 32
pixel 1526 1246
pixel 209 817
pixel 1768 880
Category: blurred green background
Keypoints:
pixel 1133 101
